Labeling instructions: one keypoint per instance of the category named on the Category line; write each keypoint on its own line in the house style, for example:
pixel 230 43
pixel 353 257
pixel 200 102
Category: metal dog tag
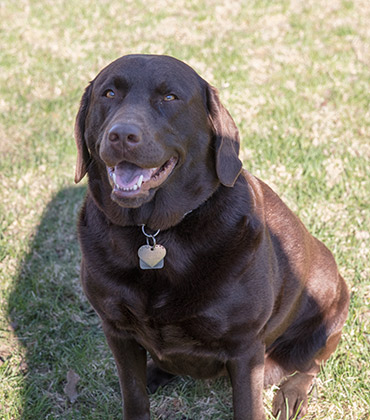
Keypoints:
pixel 151 258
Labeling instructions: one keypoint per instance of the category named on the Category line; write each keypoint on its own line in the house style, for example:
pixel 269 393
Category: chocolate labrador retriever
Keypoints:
pixel 187 256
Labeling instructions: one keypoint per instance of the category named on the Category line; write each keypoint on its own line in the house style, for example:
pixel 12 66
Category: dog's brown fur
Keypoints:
pixel 245 289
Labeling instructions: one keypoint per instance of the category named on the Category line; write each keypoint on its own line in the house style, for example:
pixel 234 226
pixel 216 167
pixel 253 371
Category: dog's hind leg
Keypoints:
pixel 292 397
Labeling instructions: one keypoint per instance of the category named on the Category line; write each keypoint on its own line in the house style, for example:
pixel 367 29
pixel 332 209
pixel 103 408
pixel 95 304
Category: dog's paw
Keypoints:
pixel 290 401
pixel 157 377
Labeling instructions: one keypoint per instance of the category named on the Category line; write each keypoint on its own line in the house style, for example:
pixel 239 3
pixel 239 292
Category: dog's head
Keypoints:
pixel 151 131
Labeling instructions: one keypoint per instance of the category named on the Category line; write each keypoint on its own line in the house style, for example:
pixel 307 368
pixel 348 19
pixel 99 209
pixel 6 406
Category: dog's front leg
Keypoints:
pixel 246 374
pixel 130 359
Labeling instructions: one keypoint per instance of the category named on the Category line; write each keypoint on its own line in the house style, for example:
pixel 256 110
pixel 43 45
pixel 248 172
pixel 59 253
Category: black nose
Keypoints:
pixel 125 133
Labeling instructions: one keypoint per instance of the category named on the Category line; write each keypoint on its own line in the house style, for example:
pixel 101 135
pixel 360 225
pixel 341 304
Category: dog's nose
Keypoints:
pixel 125 133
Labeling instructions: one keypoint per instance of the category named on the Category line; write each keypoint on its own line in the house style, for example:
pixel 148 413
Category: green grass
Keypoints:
pixel 294 75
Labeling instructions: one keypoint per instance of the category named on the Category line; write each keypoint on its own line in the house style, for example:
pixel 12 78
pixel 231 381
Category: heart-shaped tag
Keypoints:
pixel 152 257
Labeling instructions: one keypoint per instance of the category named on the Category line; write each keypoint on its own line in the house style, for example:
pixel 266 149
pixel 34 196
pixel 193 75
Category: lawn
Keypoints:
pixel 295 75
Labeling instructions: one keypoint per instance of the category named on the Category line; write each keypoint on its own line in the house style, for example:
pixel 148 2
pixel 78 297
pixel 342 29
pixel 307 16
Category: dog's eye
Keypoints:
pixel 170 97
pixel 109 94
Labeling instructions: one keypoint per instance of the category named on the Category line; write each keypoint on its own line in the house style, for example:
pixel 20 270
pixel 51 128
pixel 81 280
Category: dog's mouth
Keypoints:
pixel 130 180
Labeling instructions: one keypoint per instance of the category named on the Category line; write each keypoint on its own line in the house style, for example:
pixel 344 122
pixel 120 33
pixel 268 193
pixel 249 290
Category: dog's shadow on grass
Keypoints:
pixel 56 326
pixel 59 333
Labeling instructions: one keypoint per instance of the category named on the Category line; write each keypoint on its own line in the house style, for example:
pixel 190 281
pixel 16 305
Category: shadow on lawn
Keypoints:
pixel 53 320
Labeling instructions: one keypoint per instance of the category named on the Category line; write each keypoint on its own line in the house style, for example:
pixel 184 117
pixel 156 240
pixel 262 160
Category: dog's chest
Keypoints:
pixel 180 342
pixel 169 324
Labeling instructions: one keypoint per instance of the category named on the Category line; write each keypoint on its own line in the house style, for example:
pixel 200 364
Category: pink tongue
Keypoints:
pixel 127 174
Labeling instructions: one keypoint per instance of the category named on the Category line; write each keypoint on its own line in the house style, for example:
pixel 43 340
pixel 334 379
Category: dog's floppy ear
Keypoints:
pixel 83 155
pixel 227 143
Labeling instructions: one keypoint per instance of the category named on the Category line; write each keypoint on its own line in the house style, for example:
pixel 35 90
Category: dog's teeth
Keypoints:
pixel 133 188
pixel 140 181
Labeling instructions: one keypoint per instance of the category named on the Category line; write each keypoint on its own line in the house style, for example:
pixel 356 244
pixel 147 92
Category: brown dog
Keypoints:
pixel 189 257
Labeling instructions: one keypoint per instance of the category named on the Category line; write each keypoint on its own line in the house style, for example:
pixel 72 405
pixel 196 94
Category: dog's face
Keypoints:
pixel 154 127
